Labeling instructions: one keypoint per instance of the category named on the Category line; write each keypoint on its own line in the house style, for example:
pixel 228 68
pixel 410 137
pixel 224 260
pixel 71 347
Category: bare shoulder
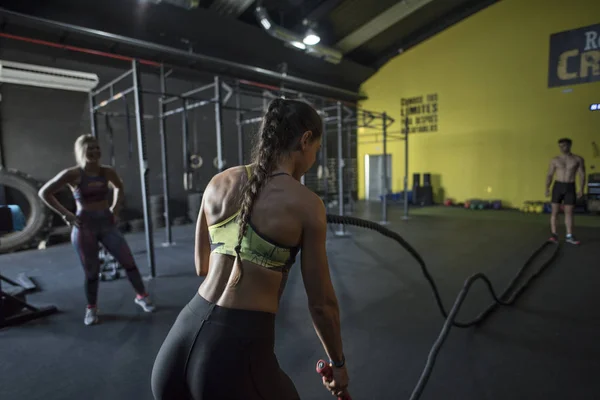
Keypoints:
pixel 112 176
pixel 553 160
pixel 225 183
pixel 579 158
pixel 312 198
pixel 108 170
pixel 230 175
pixel 312 206
pixel 70 174
pixel 233 172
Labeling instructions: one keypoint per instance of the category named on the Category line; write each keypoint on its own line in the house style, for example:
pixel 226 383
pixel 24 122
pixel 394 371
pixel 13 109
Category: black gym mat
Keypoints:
pixel 546 347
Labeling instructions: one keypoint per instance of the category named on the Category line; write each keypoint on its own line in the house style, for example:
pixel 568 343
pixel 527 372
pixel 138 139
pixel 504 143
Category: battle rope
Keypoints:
pixel 504 299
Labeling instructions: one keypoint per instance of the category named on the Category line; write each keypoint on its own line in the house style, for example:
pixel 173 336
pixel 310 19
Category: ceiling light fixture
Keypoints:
pixel 299 45
pixel 265 23
pixel 309 43
pixel 311 38
pixel 48 77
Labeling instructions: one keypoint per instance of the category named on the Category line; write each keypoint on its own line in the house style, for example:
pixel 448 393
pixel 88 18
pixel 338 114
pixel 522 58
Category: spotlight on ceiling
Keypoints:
pixel 309 43
pixel 265 23
pixel 311 38
pixel 299 45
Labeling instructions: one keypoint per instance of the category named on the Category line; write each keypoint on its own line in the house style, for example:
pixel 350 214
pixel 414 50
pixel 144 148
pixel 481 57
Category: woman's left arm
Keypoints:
pixel 117 183
pixel 202 246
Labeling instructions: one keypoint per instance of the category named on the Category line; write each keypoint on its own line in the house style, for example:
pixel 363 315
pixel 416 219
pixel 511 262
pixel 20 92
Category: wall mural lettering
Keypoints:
pixel 422 113
pixel 574 56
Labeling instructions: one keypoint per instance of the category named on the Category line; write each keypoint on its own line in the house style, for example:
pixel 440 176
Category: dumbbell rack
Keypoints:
pixel 593 193
pixel 109 266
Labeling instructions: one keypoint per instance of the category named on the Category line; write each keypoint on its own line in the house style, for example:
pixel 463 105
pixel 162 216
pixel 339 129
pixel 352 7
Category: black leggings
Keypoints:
pixel 217 353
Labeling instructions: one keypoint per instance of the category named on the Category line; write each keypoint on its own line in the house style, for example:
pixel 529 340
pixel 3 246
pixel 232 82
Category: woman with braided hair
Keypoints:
pixel 253 221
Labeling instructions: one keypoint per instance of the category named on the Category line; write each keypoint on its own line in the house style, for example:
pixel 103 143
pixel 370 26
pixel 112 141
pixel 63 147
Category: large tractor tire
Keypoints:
pixel 39 220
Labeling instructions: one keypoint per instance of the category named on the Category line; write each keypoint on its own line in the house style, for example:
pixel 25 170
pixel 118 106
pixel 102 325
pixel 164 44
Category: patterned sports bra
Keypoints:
pixel 91 189
pixel 255 247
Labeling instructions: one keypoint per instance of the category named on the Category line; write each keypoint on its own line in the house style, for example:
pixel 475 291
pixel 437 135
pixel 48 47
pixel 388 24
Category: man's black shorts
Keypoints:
pixel 564 192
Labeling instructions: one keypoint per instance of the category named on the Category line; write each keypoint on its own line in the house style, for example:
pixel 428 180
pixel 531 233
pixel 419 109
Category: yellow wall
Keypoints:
pixel 498 122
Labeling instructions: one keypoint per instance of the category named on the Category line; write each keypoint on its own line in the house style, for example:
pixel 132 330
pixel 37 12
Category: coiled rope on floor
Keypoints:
pixel 506 298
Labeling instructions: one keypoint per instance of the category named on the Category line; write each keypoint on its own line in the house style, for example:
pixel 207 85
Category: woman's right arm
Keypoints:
pixel 55 184
pixel 322 300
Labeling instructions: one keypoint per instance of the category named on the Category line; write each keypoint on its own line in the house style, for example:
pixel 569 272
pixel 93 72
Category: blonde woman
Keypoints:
pixel 94 221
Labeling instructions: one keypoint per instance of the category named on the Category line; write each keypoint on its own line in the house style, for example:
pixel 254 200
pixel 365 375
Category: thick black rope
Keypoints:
pixel 504 299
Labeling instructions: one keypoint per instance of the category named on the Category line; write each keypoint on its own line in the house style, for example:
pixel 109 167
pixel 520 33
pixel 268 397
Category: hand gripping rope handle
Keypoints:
pixel 325 371
pixel 504 299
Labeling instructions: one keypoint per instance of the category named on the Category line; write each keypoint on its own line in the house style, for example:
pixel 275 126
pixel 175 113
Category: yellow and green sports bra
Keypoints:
pixel 255 248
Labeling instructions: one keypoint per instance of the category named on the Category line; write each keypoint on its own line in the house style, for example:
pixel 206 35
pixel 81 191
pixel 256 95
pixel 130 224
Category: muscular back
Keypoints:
pixel 279 214
pixel 565 167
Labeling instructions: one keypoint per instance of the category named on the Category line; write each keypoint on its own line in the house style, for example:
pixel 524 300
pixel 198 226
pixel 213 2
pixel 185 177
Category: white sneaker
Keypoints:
pixel 145 303
pixel 91 316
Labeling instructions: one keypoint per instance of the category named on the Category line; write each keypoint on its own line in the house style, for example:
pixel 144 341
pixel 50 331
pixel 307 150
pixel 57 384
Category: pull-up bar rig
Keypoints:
pixel 270 93
pixel 110 94
pixel 370 120
pixel 188 101
pixel 136 89
pixel 336 113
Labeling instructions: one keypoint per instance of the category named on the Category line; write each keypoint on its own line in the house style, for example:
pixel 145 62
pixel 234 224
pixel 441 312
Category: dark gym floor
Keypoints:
pixel 545 347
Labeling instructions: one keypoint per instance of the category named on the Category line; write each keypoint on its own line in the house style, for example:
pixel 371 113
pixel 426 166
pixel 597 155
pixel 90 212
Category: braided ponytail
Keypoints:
pixel 266 154
pixel 283 124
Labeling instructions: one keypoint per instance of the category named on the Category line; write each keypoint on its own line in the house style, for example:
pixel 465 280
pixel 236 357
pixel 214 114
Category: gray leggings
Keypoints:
pixel 99 227
pixel 217 353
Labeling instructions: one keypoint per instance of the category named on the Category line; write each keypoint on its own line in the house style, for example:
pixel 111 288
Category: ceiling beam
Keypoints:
pixel 187 4
pixel 452 17
pixel 379 24
pixel 176 56
pixel 319 12
pixel 231 7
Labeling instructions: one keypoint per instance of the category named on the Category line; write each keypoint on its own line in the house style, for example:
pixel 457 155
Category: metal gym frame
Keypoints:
pixel 334 115
pixel 334 112
pixel 136 89
pixel 369 120
pixel 346 118
pixel 267 93
pixel 111 94
pixel 186 103
pixel 331 110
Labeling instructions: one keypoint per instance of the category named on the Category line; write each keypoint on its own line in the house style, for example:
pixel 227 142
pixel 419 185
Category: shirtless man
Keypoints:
pixel 565 167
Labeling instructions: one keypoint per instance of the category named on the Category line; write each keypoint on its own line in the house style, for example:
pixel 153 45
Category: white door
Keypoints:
pixel 374 175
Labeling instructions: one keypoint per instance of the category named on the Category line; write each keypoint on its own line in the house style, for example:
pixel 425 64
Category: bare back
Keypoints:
pixel 279 214
pixel 566 167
